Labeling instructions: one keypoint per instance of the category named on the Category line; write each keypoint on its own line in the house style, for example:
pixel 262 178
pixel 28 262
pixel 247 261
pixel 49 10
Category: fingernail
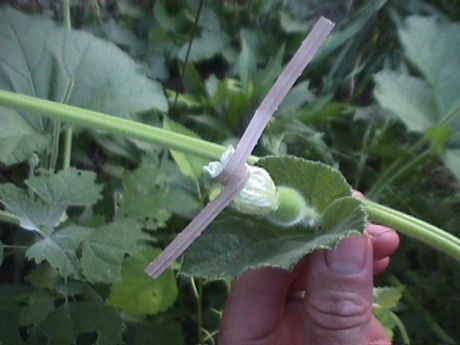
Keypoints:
pixel 349 257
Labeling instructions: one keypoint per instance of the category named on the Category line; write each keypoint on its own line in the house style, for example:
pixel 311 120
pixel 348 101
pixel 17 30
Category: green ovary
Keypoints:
pixel 292 209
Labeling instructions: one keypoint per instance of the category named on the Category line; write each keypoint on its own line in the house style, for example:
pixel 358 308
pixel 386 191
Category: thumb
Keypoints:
pixel 338 302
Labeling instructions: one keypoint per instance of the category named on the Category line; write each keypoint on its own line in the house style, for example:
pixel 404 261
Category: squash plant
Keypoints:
pixel 57 81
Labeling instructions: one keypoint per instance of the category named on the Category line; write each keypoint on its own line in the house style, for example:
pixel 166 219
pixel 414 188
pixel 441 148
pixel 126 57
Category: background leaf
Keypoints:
pixel 67 187
pixel 19 139
pixel 33 214
pixel 410 98
pixel 138 294
pixel 145 194
pixel 41 59
pixel 62 326
pixel 189 165
pixel 104 249
pixel 9 322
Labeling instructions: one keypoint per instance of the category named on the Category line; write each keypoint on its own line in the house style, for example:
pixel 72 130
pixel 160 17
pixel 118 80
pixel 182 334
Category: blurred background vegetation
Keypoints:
pixel 360 107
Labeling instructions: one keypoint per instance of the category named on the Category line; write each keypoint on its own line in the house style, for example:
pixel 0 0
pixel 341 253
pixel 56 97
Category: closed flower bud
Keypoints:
pixel 258 197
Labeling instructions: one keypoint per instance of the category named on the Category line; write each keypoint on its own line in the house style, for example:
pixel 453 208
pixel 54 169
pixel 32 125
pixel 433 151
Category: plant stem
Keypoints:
pixel 413 227
pixel 12 246
pixel 66 13
pixel 67 147
pixel 69 132
pixel 115 125
pixel 405 224
pixel 8 217
pixel 197 287
pixel 383 182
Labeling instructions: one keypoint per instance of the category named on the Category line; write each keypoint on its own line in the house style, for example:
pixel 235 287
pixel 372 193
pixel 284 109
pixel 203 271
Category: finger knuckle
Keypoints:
pixel 337 310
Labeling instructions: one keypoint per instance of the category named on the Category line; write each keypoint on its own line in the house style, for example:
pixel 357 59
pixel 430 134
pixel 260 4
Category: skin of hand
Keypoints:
pixel 266 306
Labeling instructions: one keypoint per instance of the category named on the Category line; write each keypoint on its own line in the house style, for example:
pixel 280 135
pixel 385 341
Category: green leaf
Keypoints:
pixel 19 139
pixel 138 294
pixel 432 44
pixel 409 98
pixel 189 165
pixel 43 276
pixel 104 249
pixel 9 322
pixel 41 59
pixel 439 136
pixel 145 192
pixel 56 192
pixel 205 46
pixel 228 250
pixel 39 305
pixel 62 326
pixel 165 329
pixel 451 158
pixel 60 250
pixel 33 214
pixel 69 187
pixel 385 299
pixel 246 64
pixel 388 297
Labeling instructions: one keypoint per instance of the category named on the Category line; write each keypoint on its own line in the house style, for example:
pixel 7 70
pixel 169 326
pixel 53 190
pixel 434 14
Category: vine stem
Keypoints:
pixel 115 125
pixel 69 131
pixel 415 228
pixel 408 225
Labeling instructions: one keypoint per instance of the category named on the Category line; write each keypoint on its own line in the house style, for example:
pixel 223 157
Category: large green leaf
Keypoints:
pixel 228 250
pixel 67 187
pixel 138 294
pixel 104 249
pixel 39 305
pixel 97 254
pixel 55 191
pixel 18 137
pixel 39 58
pixel 433 45
pixel 33 214
pixel 9 322
pixel 60 250
pixel 62 326
pixel 410 98
pixel 145 192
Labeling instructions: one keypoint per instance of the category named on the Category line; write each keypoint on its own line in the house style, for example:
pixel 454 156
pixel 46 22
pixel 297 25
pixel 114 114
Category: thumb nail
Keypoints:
pixel 349 257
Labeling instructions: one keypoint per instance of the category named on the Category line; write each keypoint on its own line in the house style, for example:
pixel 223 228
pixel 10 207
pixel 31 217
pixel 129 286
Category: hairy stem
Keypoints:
pixel 416 228
pixel 405 224
pixel 115 125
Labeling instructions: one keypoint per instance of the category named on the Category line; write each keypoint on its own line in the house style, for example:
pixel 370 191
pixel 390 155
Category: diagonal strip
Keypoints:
pixel 235 174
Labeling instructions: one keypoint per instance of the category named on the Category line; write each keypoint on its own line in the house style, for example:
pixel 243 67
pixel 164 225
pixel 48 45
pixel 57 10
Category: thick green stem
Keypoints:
pixel 415 228
pixel 67 147
pixel 115 125
pixel 69 131
pixel 407 225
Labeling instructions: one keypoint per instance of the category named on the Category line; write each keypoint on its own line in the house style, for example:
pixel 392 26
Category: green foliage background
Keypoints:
pixel 380 102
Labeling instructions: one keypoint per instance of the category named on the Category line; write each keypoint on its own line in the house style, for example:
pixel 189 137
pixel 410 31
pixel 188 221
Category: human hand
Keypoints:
pixel 327 299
